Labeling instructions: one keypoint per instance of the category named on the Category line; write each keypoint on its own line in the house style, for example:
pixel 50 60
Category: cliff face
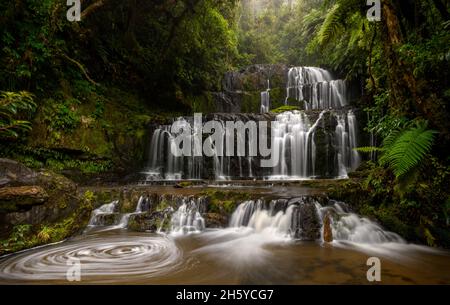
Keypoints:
pixel 241 90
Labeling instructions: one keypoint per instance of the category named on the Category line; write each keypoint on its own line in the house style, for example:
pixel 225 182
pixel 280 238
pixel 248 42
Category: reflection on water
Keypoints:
pixel 223 256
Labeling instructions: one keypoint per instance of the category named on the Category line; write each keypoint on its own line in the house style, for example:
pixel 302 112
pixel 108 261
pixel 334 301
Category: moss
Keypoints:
pixel 224 202
pixel 186 184
pixel 202 103
pixel 251 102
pixel 28 236
pixel 277 97
pixel 284 108
pixel 162 205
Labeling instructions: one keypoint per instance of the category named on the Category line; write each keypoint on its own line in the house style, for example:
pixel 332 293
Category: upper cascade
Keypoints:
pixel 316 88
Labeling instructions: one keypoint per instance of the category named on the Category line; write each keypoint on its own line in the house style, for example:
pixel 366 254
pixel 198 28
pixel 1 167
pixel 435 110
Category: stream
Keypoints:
pixel 262 244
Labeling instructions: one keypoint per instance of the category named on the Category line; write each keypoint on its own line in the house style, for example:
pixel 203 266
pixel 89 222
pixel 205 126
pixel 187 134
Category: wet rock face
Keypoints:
pixel 215 220
pixel 306 223
pixel 242 89
pixel 149 221
pixel 50 196
pixel 21 197
pixel 13 173
pixel 107 219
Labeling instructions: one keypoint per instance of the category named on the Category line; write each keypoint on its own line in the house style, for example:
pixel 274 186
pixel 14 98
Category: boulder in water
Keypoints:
pixel 327 232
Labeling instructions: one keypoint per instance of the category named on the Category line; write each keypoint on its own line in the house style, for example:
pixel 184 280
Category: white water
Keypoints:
pixel 295 138
pixel 105 209
pixel 316 87
pixel 265 99
pixel 188 218
pixel 346 226
pixel 252 215
pixel 112 208
pixel 163 164
pixel 296 147
pixel 350 227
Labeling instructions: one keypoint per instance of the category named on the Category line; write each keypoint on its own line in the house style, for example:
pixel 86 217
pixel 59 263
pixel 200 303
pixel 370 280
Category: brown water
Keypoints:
pixel 225 256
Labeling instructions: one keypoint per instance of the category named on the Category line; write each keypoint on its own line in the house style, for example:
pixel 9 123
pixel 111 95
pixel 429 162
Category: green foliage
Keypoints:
pixel 368 149
pixel 284 109
pixel 331 26
pixel 12 105
pixel 405 149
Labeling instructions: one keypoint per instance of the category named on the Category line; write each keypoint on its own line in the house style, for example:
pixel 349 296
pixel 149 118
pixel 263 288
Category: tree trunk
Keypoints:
pixel 402 82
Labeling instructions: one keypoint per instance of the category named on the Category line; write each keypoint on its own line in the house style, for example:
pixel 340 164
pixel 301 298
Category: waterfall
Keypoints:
pixel 302 218
pixel 350 227
pixel 97 217
pixel 107 215
pixel 317 142
pixel 253 215
pixel 163 165
pixel 292 218
pixel 188 218
pixel 316 88
pixel 294 144
pixel 143 204
pixel 265 99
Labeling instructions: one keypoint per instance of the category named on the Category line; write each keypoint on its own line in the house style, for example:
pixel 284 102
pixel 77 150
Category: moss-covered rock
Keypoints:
pixel 18 198
pixel 63 213
pixel 149 221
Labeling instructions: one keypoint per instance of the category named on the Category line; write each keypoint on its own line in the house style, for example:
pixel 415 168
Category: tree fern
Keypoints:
pixel 331 26
pixel 404 150
pixel 336 19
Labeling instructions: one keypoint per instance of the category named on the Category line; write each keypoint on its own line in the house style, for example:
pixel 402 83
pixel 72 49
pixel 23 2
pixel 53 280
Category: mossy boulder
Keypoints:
pixel 54 205
pixel 19 198
pixel 149 221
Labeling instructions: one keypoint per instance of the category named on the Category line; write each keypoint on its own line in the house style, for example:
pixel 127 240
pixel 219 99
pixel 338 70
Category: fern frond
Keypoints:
pixel 404 150
pixel 368 149
pixel 331 26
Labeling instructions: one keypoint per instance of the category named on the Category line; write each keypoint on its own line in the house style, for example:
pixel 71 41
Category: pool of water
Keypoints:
pixel 221 256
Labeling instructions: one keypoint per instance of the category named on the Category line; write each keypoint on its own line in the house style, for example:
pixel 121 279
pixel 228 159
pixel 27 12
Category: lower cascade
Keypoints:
pixel 299 218
pixel 188 217
pixel 258 243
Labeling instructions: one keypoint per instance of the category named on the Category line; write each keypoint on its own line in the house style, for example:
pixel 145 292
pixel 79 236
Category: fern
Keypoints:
pixel 336 20
pixel 404 150
pixel 11 103
pixel 368 149
pixel 331 26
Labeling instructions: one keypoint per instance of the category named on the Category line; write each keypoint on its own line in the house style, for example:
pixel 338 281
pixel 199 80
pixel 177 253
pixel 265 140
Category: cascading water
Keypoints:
pixel 318 142
pixel 303 217
pixel 316 88
pixel 163 164
pixel 107 215
pixel 98 215
pixel 348 226
pixel 304 149
pixel 348 157
pixel 259 246
pixel 265 99
pixel 188 218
